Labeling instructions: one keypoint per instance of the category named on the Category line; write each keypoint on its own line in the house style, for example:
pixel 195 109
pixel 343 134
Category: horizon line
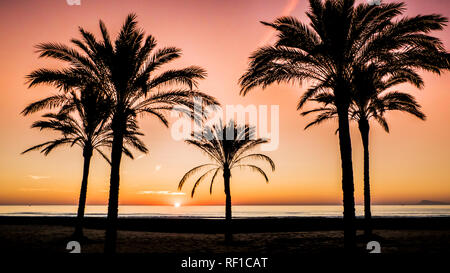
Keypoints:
pixel 212 205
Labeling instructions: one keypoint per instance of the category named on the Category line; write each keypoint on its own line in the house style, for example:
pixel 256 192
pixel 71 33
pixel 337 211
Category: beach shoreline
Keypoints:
pixel 239 225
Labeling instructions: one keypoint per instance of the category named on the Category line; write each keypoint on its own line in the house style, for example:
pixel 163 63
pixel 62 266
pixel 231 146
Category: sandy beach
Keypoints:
pixel 18 237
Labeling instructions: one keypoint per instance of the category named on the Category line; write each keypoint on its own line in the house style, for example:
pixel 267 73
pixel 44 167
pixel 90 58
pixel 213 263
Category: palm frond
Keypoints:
pixel 212 180
pixel 199 180
pixel 259 157
pixel 190 173
pixel 254 168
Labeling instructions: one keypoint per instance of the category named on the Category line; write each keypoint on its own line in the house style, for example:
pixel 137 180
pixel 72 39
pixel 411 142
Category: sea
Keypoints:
pixel 218 212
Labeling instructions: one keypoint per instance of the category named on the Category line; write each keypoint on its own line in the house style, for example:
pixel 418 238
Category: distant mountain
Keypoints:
pixel 429 202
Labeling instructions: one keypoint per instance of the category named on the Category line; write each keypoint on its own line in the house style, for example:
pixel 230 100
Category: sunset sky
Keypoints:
pixel 409 164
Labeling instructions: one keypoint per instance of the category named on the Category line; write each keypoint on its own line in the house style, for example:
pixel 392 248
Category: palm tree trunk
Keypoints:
pixel 113 203
pixel 347 179
pixel 87 155
pixel 228 217
pixel 364 130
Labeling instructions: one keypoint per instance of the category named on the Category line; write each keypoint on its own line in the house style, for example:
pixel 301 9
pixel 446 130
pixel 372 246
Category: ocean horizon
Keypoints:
pixel 218 212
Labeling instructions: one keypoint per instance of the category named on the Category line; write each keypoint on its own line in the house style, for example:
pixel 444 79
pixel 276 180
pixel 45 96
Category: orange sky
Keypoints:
pixel 409 164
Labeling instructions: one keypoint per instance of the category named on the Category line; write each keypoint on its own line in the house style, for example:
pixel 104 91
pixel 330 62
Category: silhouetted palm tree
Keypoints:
pixel 371 100
pixel 228 147
pixel 339 37
pixel 126 71
pixel 82 120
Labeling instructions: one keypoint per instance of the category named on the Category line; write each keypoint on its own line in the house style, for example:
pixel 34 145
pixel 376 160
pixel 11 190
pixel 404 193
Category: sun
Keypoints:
pixel 177 204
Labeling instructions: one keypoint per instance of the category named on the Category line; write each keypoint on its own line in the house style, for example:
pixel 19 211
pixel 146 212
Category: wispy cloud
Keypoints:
pixel 162 192
pixel 38 177
pixel 42 190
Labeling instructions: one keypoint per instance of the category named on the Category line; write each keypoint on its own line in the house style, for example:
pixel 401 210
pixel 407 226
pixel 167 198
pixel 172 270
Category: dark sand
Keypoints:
pixel 194 236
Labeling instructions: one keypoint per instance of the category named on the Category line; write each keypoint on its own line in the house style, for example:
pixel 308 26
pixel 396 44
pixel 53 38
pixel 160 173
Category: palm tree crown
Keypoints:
pixel 228 147
pixel 372 96
pixel 123 71
pixel 82 120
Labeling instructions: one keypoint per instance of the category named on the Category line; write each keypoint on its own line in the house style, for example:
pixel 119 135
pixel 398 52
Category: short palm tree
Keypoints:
pixel 82 120
pixel 128 72
pixel 228 146
pixel 340 36
pixel 372 98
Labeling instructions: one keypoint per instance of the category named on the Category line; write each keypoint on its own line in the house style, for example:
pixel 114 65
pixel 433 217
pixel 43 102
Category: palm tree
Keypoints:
pixel 372 98
pixel 127 72
pixel 228 147
pixel 83 121
pixel 340 35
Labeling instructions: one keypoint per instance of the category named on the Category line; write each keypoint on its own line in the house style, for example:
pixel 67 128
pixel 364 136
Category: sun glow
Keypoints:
pixel 177 204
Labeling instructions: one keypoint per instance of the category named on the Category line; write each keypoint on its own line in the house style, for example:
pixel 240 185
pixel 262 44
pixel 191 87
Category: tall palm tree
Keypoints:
pixel 339 36
pixel 372 98
pixel 228 146
pixel 128 71
pixel 82 120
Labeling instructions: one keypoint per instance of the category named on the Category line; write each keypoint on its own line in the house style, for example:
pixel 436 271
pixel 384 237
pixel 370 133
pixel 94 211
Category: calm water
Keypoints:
pixel 238 211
